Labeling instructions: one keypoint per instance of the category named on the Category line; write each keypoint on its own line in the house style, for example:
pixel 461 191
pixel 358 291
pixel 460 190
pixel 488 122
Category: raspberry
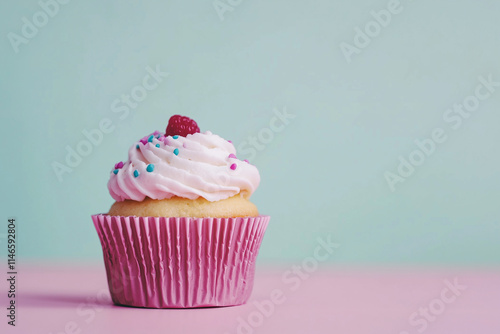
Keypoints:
pixel 182 126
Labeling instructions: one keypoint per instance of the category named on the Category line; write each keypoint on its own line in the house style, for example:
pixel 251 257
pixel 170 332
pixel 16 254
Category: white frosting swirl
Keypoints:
pixel 205 166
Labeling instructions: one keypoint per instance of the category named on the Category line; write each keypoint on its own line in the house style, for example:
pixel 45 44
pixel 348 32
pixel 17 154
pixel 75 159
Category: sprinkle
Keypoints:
pixel 136 173
pixel 150 139
pixel 175 137
pixel 229 141
pixel 150 168
pixel 119 165
pixel 144 141
pixel 115 171
pixel 232 156
pixel 157 145
pixel 176 151
pixel 246 161
pixel 137 146
pixel 233 166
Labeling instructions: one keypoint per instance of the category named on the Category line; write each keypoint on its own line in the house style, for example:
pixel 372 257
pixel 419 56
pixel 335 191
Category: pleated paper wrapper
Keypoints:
pixel 159 262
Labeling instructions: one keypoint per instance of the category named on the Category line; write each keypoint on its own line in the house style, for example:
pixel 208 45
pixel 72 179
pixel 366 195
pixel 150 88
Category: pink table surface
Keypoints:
pixel 74 299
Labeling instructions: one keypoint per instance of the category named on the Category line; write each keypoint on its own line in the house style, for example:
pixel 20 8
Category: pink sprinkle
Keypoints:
pixel 144 141
pixel 246 161
pixel 233 166
pixel 119 165
pixel 229 141
pixel 165 141
pixel 184 145
pixel 232 156
pixel 156 133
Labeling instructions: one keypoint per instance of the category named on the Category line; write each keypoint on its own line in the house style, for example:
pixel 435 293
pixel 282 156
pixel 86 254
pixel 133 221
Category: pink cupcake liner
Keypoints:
pixel 160 262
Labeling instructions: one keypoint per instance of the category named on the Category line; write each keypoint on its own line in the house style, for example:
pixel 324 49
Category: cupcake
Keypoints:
pixel 182 232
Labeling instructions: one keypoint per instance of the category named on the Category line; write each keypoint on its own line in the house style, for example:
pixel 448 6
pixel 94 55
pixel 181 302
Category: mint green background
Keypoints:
pixel 324 174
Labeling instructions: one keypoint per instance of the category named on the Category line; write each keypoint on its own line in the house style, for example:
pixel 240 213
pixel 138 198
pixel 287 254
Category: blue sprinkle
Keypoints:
pixel 157 145
pixel 136 173
pixel 150 168
pixel 176 151
pixel 150 139
pixel 175 137
pixel 137 146
pixel 115 171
